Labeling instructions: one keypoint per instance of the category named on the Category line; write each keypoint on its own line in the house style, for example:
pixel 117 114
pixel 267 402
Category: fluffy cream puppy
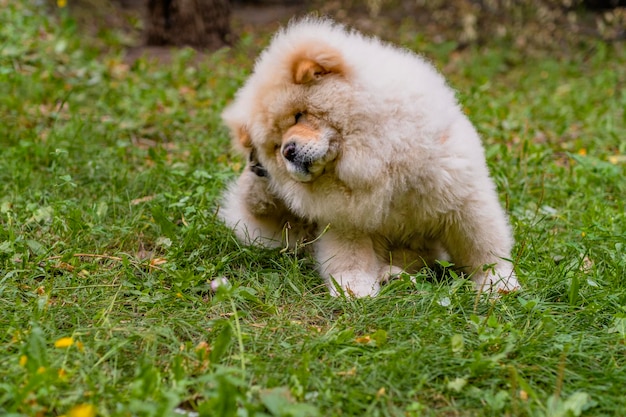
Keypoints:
pixel 366 142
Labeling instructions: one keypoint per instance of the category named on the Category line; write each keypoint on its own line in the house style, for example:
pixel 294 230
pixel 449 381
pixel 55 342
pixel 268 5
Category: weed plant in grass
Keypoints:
pixel 109 183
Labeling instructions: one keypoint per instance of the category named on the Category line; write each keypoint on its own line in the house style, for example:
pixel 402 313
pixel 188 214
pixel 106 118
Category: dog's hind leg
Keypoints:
pixel 478 239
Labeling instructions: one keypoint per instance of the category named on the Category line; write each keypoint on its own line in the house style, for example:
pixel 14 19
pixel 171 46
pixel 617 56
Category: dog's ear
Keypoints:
pixel 306 70
pixel 244 137
pixel 314 62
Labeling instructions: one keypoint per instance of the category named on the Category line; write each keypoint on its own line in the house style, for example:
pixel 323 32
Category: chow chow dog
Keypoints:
pixel 361 149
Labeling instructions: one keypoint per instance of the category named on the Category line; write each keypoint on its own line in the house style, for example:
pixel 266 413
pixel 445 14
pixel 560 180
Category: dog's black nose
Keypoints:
pixel 289 151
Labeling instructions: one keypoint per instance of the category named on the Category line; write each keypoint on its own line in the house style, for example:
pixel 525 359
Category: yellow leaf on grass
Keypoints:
pixel 155 262
pixel 64 342
pixel 82 410
pixel 617 159
pixel 351 372
pixel 140 200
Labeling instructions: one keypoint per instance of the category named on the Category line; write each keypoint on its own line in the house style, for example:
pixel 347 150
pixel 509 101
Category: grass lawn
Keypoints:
pixel 109 183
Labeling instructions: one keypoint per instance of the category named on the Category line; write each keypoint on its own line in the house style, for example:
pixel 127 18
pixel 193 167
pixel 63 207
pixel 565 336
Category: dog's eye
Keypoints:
pixel 298 116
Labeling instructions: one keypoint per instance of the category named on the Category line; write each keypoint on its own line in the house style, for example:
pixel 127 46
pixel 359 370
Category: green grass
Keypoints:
pixel 109 182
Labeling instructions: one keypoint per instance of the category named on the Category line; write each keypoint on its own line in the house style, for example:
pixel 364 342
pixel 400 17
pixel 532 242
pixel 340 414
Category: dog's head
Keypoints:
pixel 284 115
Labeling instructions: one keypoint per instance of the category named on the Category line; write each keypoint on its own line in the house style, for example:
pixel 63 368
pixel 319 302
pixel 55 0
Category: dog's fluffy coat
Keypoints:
pixel 367 139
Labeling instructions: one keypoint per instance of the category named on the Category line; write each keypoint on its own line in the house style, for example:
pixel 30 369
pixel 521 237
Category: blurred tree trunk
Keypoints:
pixel 604 4
pixel 197 23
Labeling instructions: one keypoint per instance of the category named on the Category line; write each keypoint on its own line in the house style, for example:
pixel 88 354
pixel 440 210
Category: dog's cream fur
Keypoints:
pixel 367 139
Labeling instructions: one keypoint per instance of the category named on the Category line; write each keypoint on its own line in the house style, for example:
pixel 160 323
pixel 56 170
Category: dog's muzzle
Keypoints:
pixel 298 158
pixel 307 161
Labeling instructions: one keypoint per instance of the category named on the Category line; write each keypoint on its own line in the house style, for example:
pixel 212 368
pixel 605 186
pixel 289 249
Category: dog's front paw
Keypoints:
pixel 388 272
pixel 354 284
pixel 498 281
